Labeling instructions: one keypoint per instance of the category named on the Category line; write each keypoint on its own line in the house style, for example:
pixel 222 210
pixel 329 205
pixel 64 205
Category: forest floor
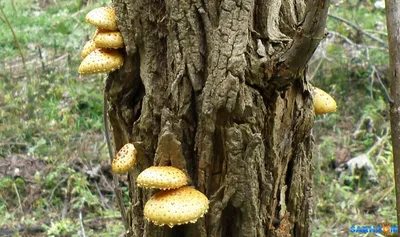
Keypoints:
pixel 54 167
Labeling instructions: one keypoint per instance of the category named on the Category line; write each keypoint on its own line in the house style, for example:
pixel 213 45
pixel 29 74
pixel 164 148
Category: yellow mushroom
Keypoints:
pixel 88 48
pixel 109 39
pixel 125 159
pixel 176 206
pixel 103 18
pixel 162 177
pixel 101 60
pixel 323 102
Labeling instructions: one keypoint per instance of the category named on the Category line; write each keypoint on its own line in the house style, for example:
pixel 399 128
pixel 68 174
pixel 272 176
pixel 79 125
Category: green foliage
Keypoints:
pixel 354 71
pixel 64 131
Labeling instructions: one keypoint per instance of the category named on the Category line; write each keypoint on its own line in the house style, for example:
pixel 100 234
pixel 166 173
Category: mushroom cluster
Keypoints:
pixel 100 53
pixel 177 203
pixel 323 102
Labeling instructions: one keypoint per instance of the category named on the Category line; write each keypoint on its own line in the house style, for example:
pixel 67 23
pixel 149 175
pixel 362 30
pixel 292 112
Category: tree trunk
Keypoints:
pixel 393 26
pixel 218 89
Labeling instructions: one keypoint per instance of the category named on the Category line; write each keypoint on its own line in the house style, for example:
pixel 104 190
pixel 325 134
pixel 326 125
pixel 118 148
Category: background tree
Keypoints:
pixel 393 25
pixel 218 89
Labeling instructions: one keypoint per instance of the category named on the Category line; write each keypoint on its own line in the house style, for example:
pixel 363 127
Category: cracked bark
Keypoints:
pixel 217 88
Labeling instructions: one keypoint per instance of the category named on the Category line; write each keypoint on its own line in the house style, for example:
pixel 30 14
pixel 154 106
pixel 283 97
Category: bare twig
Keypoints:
pixel 316 69
pixel 117 189
pixel 81 218
pixel 393 26
pixel 102 199
pixel 13 6
pixel 14 144
pixel 383 43
pixel 379 142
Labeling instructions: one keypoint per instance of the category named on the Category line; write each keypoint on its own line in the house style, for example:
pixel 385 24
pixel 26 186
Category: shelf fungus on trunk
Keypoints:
pixel 101 60
pixel 176 206
pixel 125 159
pixel 103 18
pixel 162 177
pixel 88 48
pixel 323 102
pixel 109 39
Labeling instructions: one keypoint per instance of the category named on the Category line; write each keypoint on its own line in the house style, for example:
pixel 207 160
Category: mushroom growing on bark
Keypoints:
pixel 162 177
pixel 88 48
pixel 103 18
pixel 109 39
pixel 101 60
pixel 176 206
pixel 125 159
pixel 323 102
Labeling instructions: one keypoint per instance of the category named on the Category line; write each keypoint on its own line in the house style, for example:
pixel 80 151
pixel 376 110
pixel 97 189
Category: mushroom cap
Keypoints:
pixel 125 159
pixel 109 39
pixel 176 206
pixel 162 177
pixel 323 102
pixel 88 48
pixel 103 18
pixel 101 60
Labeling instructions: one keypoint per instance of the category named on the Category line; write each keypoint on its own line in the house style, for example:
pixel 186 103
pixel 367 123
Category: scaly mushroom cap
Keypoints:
pixel 101 60
pixel 162 177
pixel 109 39
pixel 323 102
pixel 176 206
pixel 88 48
pixel 125 159
pixel 95 33
pixel 103 18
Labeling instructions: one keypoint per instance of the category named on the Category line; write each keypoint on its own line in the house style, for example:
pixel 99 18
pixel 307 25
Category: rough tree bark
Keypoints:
pixel 218 89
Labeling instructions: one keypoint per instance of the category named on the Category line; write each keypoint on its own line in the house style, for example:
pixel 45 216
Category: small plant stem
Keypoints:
pixel 81 217
pixel 67 198
pixel 18 197
pixel 29 82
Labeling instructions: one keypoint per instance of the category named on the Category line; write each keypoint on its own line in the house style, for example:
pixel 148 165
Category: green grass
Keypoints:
pixel 360 126
pixel 62 137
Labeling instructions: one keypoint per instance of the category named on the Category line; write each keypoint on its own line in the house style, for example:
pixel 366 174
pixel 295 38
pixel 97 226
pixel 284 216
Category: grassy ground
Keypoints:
pixel 51 125
pixel 353 66
pixel 51 141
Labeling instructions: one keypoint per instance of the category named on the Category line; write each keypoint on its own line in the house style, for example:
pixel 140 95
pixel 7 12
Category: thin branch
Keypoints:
pixel 307 38
pixel 102 199
pixel 14 144
pixel 117 189
pixel 393 26
pixel 383 43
